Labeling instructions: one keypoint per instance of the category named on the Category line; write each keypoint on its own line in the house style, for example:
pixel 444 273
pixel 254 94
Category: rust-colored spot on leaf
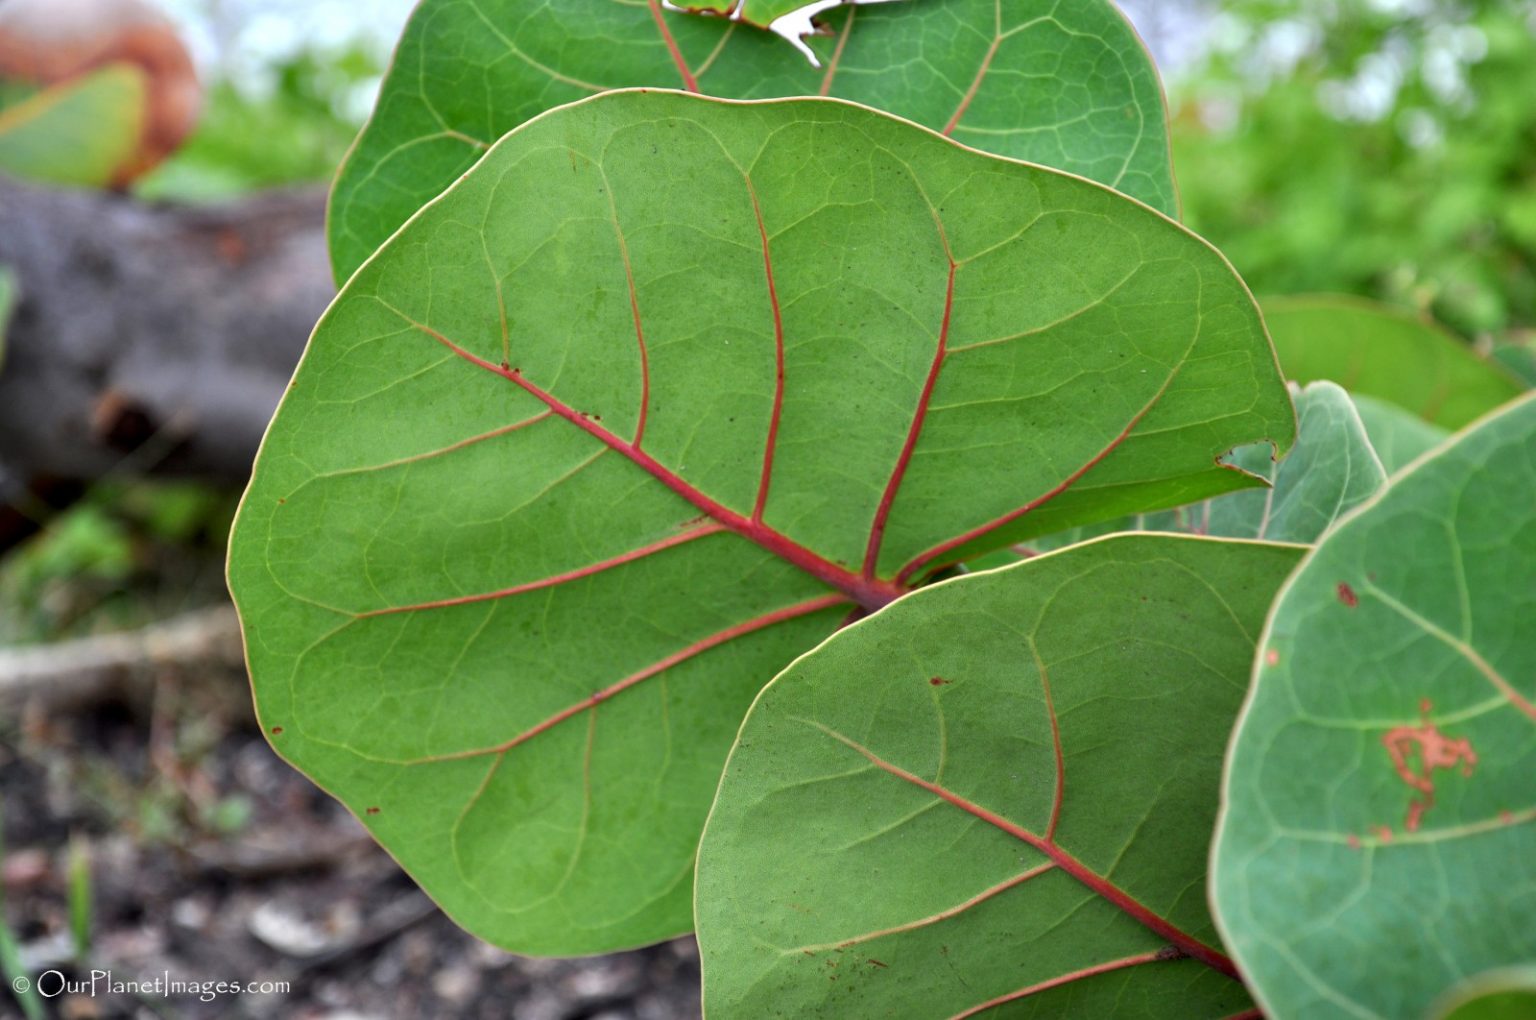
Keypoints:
pixel 1352 841
pixel 373 811
pixel 277 731
pixel 1417 751
pixel 877 963
pixel 1347 595
pixel 938 681
pixel 1384 833
pixel 1272 658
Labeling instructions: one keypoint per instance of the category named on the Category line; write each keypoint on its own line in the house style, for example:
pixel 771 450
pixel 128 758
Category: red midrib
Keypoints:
pixel 689 82
pixel 1186 943
pixel 871 593
pixel 970 93
pixel 778 363
pixel 919 419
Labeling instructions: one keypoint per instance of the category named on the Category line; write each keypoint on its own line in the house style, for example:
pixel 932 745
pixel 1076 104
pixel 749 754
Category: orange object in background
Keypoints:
pixel 52 42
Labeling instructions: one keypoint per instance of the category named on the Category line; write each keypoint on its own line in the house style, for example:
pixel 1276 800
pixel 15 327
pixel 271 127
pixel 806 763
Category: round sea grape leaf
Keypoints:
pixel 1379 351
pixel 646 405
pixel 1068 85
pixel 1332 469
pixel 80 132
pixel 1505 994
pixel 1377 842
pixel 1399 437
pixel 998 790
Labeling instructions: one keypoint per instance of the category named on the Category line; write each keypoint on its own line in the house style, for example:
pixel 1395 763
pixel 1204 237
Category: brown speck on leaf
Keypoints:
pixel 277 731
pixel 938 681
pixel 877 963
pixel 1347 595
pixel 373 811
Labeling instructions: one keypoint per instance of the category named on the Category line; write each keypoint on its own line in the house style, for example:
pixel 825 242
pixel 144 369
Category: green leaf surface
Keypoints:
pixel 645 406
pixel 1381 352
pixel 1331 470
pixel 1068 85
pixel 1377 843
pixel 1506 994
pixel 7 305
pixel 999 789
pixel 76 133
pixel 1399 437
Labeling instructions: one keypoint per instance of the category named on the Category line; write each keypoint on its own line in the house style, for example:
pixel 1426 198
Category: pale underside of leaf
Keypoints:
pixel 1398 678
pixel 651 402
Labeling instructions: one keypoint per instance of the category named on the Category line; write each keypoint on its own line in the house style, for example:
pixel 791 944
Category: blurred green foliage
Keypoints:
pixel 126 554
pixel 1376 148
pixel 294 129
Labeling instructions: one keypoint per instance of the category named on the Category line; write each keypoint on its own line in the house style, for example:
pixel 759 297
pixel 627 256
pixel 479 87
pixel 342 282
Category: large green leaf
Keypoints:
pixel 80 132
pixel 1001 788
pixel 1332 470
pixel 1399 437
pixel 1381 352
pixel 652 399
pixel 1377 842
pixel 1064 84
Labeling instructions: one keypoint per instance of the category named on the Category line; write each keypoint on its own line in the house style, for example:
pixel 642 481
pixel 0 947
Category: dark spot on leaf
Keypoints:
pixel 877 963
pixel 938 681
pixel 280 502
pixel 373 811
pixel 277 731
pixel 1347 595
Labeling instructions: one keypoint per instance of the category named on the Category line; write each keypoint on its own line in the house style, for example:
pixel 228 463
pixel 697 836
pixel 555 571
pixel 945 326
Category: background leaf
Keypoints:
pixel 1001 787
pixel 1332 469
pixel 1377 840
pixel 1381 352
pixel 80 132
pixel 1508 994
pixel 1067 85
pixel 1399 437
pixel 642 408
